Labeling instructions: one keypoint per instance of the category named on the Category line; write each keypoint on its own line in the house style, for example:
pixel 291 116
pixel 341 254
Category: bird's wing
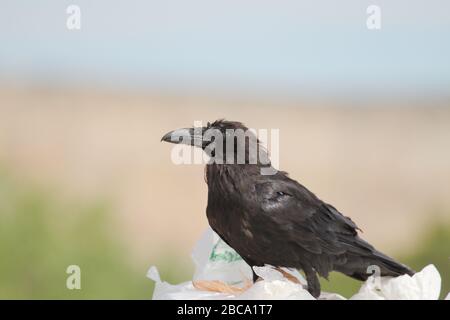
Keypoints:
pixel 309 222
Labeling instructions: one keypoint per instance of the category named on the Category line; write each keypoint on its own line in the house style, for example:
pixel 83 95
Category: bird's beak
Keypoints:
pixel 188 136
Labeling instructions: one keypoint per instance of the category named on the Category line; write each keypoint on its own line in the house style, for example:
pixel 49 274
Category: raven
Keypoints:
pixel 271 218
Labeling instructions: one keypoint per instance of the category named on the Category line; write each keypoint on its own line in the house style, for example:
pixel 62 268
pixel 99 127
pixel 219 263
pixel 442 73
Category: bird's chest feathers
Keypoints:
pixel 233 227
pixel 229 212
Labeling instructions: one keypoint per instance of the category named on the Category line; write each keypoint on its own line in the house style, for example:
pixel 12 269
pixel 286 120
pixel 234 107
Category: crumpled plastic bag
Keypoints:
pixel 424 285
pixel 216 261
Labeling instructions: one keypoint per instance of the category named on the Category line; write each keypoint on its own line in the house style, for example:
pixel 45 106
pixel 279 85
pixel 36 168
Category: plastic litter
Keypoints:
pixel 216 261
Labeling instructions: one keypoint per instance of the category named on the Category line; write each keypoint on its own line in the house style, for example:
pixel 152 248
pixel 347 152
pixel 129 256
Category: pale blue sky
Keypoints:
pixel 284 46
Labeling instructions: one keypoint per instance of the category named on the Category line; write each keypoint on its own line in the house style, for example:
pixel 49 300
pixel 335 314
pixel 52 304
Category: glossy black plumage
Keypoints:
pixel 272 219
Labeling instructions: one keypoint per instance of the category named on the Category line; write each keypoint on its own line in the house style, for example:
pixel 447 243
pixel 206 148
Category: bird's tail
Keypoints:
pixel 366 260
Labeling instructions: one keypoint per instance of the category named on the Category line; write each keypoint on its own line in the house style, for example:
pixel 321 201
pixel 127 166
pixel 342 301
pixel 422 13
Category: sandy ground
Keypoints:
pixel 387 167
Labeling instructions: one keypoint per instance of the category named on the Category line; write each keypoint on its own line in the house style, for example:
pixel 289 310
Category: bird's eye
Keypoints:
pixel 280 195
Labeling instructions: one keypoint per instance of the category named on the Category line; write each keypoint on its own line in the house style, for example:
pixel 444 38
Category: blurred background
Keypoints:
pixel 364 120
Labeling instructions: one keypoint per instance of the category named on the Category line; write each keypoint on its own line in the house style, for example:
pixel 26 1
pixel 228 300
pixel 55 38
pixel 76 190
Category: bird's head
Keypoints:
pixel 229 141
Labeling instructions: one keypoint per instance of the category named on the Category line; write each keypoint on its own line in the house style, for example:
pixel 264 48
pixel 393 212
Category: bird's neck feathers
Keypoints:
pixel 230 178
pixel 226 181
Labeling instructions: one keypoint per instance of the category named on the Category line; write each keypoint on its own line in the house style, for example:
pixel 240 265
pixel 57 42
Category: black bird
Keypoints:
pixel 272 219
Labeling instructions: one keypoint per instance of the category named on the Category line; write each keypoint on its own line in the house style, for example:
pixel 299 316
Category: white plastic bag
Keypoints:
pixel 215 260
pixel 424 285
